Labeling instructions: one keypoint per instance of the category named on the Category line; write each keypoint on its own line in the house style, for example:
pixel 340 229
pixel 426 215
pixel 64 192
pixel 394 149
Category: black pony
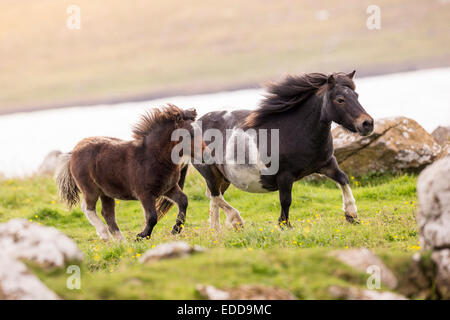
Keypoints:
pixel 302 109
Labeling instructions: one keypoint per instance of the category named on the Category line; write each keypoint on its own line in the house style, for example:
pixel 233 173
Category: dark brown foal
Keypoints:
pixel 141 169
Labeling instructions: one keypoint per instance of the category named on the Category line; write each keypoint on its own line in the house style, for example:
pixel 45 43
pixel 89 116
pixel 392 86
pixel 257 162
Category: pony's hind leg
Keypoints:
pixel 234 219
pixel 88 207
pixel 214 208
pixel 109 214
pixel 177 196
pixel 214 214
pixel 216 184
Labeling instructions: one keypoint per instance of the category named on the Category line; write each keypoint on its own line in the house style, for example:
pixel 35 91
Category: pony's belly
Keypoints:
pixel 243 167
pixel 245 177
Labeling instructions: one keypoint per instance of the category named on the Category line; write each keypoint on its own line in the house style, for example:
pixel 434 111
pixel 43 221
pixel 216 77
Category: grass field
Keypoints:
pixel 295 259
pixel 140 48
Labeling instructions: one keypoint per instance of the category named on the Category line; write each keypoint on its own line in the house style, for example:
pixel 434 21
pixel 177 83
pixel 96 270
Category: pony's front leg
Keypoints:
pixel 332 171
pixel 349 204
pixel 151 217
pixel 177 195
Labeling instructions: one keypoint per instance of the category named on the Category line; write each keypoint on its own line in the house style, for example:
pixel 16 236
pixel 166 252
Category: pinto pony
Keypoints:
pixel 141 169
pixel 301 108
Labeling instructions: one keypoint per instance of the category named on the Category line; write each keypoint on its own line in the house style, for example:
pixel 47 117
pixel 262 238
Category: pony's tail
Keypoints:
pixel 67 187
pixel 162 204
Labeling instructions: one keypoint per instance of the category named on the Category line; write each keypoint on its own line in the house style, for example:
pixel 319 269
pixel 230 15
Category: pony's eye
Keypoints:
pixel 340 100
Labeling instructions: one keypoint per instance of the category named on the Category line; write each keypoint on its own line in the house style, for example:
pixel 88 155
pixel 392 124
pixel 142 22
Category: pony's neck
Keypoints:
pixel 324 122
pixel 324 114
pixel 313 114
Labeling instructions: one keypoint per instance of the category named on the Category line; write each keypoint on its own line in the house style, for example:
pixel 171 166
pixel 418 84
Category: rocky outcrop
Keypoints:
pixel 362 259
pixel 245 292
pixel 433 217
pixel 442 260
pixel 350 293
pixel 17 283
pixel 442 135
pixel 396 144
pixel 48 165
pixel 23 240
pixel 176 249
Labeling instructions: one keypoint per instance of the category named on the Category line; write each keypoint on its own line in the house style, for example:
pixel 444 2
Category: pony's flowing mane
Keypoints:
pixel 291 92
pixel 159 116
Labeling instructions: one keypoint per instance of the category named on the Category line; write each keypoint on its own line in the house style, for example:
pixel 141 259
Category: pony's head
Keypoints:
pixel 174 128
pixel 340 104
pixel 335 92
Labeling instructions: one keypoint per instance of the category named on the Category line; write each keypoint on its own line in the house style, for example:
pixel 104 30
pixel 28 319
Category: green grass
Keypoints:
pixel 262 253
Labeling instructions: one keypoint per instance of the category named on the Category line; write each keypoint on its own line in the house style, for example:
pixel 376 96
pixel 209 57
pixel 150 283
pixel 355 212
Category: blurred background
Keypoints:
pixel 131 55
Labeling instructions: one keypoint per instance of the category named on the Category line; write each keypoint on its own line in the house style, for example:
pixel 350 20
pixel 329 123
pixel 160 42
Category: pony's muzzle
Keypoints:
pixel 364 125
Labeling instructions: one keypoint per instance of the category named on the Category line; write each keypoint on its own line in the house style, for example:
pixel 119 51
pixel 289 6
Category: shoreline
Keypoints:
pixel 195 90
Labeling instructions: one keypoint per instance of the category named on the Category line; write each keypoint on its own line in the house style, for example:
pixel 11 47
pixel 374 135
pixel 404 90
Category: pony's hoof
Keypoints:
pixel 351 219
pixel 104 236
pixel 236 225
pixel 118 237
pixel 142 236
pixel 176 229
pixel 216 228
pixel 285 224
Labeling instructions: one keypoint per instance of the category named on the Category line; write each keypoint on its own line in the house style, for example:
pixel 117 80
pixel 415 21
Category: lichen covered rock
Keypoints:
pixel 442 135
pixel 21 239
pixel 350 293
pixel 24 240
pixel 245 292
pixel 49 164
pixel 176 249
pixel 433 218
pixel 362 259
pixel 396 144
pixel 17 283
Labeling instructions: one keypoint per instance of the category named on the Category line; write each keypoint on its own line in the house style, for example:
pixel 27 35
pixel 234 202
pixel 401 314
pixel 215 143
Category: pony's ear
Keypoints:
pixel 190 114
pixel 351 74
pixel 331 81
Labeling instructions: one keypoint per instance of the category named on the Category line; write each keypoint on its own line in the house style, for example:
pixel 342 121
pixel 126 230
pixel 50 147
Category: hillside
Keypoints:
pixel 138 49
